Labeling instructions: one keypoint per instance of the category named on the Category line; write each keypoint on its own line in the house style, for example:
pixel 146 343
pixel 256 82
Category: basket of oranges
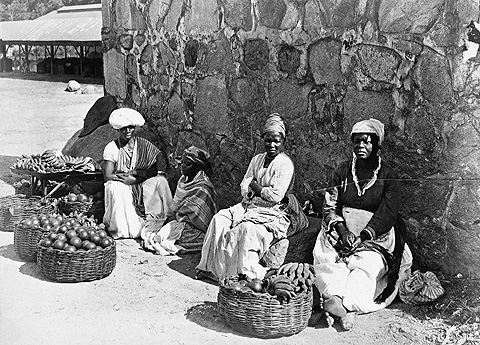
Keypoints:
pixel 32 228
pixel 77 203
pixel 76 253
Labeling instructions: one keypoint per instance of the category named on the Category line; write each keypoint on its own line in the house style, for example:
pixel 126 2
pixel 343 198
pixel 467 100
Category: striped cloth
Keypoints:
pixel 194 202
pixel 143 156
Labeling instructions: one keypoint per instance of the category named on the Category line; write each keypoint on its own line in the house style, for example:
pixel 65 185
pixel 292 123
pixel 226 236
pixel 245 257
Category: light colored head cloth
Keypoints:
pixel 370 126
pixel 124 117
pixel 274 123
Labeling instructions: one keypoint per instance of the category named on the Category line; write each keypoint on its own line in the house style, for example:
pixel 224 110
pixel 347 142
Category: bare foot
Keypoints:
pixel 348 321
pixel 204 275
pixel 334 305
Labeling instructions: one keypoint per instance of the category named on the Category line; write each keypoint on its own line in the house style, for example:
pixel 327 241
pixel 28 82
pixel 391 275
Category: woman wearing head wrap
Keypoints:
pixel 133 190
pixel 239 236
pixel 193 208
pixel 359 256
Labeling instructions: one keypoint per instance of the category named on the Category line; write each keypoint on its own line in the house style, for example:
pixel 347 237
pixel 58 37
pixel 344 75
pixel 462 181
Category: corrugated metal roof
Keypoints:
pixel 63 25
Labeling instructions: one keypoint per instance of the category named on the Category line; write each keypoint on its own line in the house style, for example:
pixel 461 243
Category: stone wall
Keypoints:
pixel 207 72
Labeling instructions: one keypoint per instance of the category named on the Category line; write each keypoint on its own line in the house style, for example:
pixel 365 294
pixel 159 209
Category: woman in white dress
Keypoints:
pixel 239 236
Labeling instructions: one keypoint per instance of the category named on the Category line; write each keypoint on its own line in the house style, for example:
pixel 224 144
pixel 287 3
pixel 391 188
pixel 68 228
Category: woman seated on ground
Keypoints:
pixel 359 256
pixel 239 236
pixel 193 208
pixel 133 190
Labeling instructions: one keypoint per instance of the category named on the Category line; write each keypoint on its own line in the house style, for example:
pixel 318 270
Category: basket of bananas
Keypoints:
pixel 278 305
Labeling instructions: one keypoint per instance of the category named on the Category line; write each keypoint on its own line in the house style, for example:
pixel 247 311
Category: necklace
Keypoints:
pixel 371 182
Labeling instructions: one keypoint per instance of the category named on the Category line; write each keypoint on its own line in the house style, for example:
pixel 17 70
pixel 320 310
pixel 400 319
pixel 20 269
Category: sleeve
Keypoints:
pixel 386 215
pixel 110 152
pixel 248 177
pixel 280 181
pixel 332 205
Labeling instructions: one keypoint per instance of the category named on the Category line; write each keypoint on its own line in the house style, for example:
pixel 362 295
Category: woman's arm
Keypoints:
pixel 281 172
pixel 332 205
pixel 248 177
pixel 108 169
pixel 386 215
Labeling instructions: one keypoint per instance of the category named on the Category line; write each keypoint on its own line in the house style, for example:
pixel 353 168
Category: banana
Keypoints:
pixel 299 269
pixel 284 286
pixel 284 294
pixel 284 268
pixel 292 269
pixel 281 279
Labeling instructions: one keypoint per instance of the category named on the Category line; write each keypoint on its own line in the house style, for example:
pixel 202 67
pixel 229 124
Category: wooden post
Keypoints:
pixel 3 53
pixel 81 60
pixel 51 60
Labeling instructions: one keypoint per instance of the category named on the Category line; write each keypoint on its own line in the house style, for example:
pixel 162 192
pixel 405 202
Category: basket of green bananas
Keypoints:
pixel 278 305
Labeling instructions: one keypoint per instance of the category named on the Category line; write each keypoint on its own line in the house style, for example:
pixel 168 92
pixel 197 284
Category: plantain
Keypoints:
pixel 299 270
pixel 292 269
pixel 284 286
pixel 284 294
pixel 284 268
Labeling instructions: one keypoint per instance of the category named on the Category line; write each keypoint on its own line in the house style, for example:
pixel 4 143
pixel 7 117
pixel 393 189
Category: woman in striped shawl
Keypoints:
pixel 133 188
pixel 193 208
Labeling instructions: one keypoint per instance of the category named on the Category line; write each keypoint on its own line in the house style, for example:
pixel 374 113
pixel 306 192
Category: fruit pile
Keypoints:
pixel 71 234
pixel 53 161
pixel 72 197
pixel 285 283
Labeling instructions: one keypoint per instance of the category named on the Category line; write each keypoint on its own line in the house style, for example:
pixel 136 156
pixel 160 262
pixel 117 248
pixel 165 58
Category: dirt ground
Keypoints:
pixel 150 299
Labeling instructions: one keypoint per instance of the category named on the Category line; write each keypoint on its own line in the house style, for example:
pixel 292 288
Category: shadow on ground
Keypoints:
pixel 8 252
pixel 206 315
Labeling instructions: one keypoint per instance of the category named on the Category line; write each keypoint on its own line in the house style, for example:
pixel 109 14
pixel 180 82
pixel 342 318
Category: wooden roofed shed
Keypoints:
pixel 70 26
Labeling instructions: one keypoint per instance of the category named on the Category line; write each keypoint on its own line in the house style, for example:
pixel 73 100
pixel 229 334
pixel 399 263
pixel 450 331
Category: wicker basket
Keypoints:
pixel 25 241
pixel 15 208
pixel 263 315
pixel 10 213
pixel 85 207
pixel 62 266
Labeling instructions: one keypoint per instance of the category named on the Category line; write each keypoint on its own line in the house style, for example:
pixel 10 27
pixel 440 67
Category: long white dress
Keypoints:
pixel 239 236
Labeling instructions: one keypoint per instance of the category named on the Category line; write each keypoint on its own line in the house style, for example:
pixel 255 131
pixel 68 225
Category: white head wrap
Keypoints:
pixel 124 117
pixel 274 123
pixel 372 126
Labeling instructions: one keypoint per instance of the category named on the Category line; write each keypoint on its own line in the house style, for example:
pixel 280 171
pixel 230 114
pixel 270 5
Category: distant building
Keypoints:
pixel 65 41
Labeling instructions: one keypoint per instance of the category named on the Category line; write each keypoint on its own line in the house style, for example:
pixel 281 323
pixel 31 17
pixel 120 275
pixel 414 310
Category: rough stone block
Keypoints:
pixel 324 61
pixel 115 77
pixel 295 105
pixel 379 63
pixel 433 75
pixel 201 17
pixel 361 105
pixel 271 13
pixel 288 59
pixel 408 16
pixel 256 54
pixel 247 94
pixel 238 14
pixel 211 107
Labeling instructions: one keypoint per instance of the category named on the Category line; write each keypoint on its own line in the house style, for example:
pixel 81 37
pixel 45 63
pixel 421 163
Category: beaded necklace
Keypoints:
pixel 371 182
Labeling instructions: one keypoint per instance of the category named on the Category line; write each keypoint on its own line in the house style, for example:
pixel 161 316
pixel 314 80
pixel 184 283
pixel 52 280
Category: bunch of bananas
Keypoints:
pixel 290 279
pixel 53 161
pixel 301 274
pixel 282 287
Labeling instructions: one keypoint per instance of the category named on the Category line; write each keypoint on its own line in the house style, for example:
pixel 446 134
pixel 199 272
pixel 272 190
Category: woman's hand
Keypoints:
pixel 127 179
pixel 255 187
pixel 347 237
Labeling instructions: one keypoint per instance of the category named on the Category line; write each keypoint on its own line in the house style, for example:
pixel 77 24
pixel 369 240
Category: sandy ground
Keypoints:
pixel 147 299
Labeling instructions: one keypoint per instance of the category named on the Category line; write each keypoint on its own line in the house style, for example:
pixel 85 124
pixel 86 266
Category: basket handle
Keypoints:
pixel 54 190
